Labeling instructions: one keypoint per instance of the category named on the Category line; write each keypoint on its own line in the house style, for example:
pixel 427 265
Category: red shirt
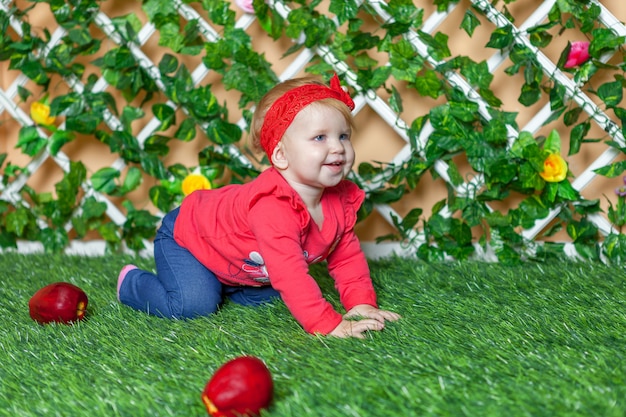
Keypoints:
pixel 261 232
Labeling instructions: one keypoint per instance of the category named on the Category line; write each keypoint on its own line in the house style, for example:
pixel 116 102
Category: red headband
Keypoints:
pixel 286 107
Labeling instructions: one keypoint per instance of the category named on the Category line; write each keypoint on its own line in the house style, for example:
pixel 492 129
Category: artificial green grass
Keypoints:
pixel 475 339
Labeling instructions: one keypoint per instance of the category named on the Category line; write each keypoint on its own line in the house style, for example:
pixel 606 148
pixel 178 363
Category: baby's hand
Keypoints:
pixel 371 312
pixel 356 328
pixel 371 318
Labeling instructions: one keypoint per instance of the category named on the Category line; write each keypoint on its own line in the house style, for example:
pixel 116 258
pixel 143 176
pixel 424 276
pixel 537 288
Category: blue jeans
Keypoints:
pixel 182 286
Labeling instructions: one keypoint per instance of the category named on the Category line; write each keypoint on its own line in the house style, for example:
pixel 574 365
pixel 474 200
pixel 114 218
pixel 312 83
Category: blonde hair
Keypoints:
pixel 278 91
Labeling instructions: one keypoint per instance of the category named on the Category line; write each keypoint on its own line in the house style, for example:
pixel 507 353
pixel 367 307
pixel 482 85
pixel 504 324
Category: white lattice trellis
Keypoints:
pixel 367 99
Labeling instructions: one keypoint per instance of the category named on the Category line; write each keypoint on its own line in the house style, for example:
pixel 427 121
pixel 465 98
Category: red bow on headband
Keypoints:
pixel 286 107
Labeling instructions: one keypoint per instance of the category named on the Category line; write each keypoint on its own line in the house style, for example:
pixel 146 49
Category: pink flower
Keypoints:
pixel 245 5
pixel 578 54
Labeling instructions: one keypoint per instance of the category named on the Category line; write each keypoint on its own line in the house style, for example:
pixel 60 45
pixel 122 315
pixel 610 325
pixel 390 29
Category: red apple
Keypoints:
pixel 239 388
pixel 60 302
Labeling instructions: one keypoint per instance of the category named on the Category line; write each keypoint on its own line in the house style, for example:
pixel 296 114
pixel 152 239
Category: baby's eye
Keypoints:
pixel 319 138
pixel 344 136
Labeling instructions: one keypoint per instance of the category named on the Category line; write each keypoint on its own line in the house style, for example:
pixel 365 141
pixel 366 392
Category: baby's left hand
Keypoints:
pixel 371 312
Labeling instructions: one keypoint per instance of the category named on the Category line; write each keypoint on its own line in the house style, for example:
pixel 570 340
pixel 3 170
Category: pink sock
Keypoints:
pixel 121 276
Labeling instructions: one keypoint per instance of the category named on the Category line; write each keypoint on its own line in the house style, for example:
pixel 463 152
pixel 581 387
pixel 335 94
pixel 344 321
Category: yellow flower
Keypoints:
pixel 40 113
pixel 193 182
pixel 554 168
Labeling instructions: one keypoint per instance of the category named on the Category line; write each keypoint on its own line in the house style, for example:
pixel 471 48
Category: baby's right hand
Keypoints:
pixel 356 328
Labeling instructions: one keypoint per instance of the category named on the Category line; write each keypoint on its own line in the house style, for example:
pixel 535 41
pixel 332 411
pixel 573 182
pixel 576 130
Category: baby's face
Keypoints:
pixel 317 146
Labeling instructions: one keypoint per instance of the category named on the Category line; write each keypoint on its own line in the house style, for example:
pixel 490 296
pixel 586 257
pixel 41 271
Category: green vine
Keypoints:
pixel 470 123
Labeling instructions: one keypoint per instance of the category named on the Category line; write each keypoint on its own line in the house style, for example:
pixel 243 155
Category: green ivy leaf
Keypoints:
pixel 153 166
pixel 611 93
pixel 93 208
pixel 139 225
pixel 317 29
pixel 428 84
pixel 29 141
pixel 255 79
pixel 159 9
pixel 22 92
pixel 453 172
pixel 469 22
pixel 104 180
pixel 109 232
pixel 553 142
pixel 567 192
pixel 395 100
pixel 499 171
pixel 214 55
pixel 612 170
pixel 186 131
pixel 17 221
pixel 222 132
pixel 7 240
pixel 496 133
pixel 604 40
pixel 411 219
pixel 581 231
pixel 161 197
pixel 387 195
pixel 363 60
pixel 489 97
pixel 531 93
pixel 437 45
pixel 58 139
pixel 35 71
pixel 368 171
pixel 168 64
pixel 501 38
pixel 577 136
pixel 165 114
pixel 80 226
pixel 171 37
pixel 614 248
pixel 219 12
pixel 572 116
pixel 405 13
pixel 477 74
pixel 438 226
pixel 86 123
pixel 127 26
pixel 540 38
pixel 533 73
pixel 71 104
pixel 54 239
pixel 118 59
pixel 59 58
pixel 465 111
pixel 129 115
pixel 343 9
pixel 132 181
pixel 157 144
pixel 378 77
pixel 67 191
pixel 532 209
pixel 557 93
pixel 272 23
pixel 529 177
pixel 125 144
pixel 621 114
